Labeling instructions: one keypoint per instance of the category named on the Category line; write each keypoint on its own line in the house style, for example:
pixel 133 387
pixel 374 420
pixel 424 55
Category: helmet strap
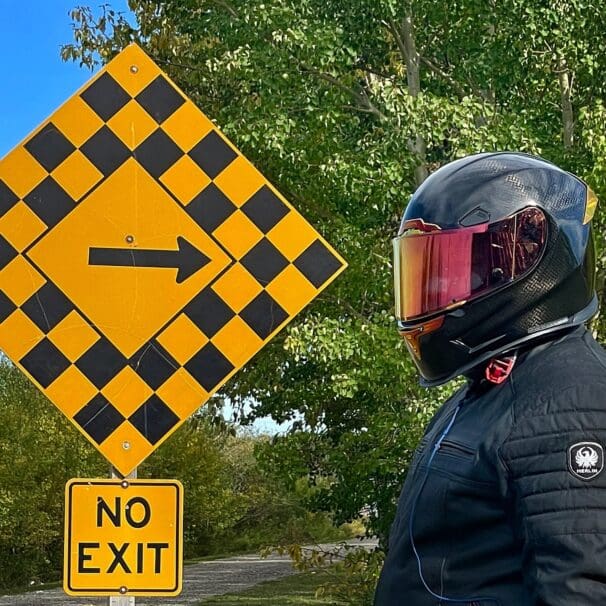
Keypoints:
pixel 498 369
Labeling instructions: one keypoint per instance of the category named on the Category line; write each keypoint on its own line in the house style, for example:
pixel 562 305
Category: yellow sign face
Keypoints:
pixel 143 259
pixel 123 537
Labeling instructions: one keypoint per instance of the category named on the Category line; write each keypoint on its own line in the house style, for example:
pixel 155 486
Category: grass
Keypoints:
pixel 30 588
pixel 294 590
pixel 54 584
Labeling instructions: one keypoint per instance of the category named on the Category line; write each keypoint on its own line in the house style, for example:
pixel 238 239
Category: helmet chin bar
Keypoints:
pixel 413 334
pixel 536 333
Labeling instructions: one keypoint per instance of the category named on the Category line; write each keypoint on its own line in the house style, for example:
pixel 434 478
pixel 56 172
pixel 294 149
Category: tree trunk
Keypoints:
pixel 566 104
pixel 417 146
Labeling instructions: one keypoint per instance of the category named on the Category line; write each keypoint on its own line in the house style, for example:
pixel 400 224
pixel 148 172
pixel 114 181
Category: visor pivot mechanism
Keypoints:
pixel 499 369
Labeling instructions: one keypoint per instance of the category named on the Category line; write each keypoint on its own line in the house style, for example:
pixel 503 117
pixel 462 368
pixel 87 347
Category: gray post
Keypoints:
pixel 122 600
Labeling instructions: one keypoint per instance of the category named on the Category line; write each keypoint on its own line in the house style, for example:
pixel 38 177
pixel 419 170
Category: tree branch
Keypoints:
pixel 393 28
pixel 193 68
pixel 376 72
pixel 436 69
pixel 410 49
pixel 228 7
pixel 362 98
pixel 565 81
pixel 405 39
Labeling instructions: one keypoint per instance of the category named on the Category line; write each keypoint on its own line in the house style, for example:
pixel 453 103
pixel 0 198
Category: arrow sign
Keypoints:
pixel 187 260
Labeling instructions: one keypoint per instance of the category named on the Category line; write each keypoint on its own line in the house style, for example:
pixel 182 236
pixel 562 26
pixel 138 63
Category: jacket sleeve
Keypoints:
pixel 554 457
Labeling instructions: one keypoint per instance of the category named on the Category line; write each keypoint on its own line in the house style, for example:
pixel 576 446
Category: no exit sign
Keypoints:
pixel 123 537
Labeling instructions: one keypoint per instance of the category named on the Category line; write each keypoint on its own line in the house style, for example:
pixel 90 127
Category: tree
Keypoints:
pixel 39 452
pixel 230 504
pixel 346 107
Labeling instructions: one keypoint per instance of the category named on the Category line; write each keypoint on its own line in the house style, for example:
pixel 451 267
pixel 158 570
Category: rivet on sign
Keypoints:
pixel 123 589
pixel 134 69
pixel 129 239
pixel 124 484
pixel 126 445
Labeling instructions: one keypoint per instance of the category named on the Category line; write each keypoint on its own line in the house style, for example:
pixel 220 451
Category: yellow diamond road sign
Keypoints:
pixel 123 537
pixel 143 259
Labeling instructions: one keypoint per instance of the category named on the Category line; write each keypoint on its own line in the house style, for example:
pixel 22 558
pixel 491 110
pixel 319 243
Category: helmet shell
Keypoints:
pixel 557 294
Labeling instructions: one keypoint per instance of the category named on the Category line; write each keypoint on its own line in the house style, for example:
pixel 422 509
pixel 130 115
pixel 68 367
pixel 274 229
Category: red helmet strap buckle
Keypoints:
pixel 500 368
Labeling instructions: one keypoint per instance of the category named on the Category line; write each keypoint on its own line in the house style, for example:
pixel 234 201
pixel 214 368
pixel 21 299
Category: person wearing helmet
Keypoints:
pixel 505 499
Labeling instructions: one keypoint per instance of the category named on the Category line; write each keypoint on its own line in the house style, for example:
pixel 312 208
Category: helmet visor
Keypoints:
pixel 437 269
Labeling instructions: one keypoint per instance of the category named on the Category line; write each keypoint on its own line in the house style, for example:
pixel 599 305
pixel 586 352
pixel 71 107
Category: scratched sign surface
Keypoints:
pixel 143 259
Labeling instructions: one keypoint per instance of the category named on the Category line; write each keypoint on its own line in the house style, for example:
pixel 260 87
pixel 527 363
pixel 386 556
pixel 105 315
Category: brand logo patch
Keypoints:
pixel 586 460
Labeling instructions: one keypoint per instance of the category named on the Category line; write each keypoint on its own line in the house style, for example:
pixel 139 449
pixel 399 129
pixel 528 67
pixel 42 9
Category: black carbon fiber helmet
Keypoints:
pixel 494 250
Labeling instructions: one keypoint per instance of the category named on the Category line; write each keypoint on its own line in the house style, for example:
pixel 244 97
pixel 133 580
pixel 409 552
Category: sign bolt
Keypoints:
pixel 134 69
pixel 124 484
pixel 130 239
pixel 123 589
pixel 126 445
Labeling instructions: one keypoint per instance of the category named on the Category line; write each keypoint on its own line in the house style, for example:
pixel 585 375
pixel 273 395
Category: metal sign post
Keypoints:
pixel 122 600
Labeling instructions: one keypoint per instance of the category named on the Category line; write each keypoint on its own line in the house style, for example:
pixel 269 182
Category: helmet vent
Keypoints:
pixel 475 217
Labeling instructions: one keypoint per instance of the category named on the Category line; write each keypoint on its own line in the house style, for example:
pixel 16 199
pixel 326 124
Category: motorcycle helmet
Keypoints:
pixel 494 250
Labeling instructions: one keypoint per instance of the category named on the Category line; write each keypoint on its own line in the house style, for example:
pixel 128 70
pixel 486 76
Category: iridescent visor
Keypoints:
pixel 436 269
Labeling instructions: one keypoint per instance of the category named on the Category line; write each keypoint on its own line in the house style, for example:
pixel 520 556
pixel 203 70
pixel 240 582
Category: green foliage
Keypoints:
pixel 38 454
pixel 353 579
pixel 230 504
pixel 345 106
pixel 199 457
pixel 350 571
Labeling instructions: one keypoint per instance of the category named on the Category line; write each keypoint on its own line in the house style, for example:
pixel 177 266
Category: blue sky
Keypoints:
pixel 34 80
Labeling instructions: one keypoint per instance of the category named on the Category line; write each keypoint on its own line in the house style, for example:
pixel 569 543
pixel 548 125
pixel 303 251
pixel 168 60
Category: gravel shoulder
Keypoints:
pixel 201 580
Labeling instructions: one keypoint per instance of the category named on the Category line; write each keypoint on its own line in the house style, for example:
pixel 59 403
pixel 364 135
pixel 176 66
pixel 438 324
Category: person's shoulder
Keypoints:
pixel 569 375
pixel 560 404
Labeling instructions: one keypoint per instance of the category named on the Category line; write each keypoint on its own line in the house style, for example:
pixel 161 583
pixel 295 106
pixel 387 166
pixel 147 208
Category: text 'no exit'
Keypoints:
pixel 123 537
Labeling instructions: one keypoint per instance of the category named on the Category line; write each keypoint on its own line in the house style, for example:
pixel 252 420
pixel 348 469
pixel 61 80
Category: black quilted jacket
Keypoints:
pixel 512 509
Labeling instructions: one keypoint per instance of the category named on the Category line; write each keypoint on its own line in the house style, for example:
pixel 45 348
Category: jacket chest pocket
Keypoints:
pixel 458 450
pixel 456 459
pixel 463 463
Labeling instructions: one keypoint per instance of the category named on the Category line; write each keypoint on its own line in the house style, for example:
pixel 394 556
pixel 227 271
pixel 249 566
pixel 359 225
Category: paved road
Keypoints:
pixel 201 580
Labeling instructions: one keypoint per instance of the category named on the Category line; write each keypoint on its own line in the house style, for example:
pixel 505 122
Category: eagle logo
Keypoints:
pixel 587 457
pixel 586 460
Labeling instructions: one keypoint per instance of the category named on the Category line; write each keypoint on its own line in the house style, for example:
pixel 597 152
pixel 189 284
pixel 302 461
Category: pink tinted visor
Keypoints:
pixel 435 269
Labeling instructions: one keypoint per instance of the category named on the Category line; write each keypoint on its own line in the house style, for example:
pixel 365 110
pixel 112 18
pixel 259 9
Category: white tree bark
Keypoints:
pixel 565 80
pixel 408 48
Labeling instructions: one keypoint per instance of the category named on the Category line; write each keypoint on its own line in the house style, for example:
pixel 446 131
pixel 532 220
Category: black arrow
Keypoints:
pixel 187 260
